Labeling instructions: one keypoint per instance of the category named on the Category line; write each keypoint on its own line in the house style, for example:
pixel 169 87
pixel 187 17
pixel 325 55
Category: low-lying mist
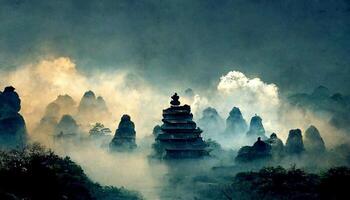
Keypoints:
pixel 126 92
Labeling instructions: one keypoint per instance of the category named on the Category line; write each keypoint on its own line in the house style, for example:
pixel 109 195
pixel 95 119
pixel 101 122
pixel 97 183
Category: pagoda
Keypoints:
pixel 179 136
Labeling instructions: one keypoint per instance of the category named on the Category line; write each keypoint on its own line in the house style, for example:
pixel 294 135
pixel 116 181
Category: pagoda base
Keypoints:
pixel 180 154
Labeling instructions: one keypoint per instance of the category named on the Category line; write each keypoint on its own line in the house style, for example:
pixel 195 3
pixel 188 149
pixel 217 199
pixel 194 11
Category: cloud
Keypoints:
pixel 255 96
pixel 127 92
pixel 176 44
pixel 236 81
pixel 198 105
pixel 251 95
pixel 38 84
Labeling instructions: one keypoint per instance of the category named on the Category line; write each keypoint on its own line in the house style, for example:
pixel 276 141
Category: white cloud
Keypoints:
pixel 251 95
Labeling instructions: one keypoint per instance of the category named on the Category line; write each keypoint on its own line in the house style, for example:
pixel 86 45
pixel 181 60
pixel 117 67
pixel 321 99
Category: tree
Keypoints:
pixel 37 173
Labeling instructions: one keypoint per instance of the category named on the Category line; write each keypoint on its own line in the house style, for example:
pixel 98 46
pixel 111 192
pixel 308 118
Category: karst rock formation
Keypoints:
pixel 125 136
pixel 13 132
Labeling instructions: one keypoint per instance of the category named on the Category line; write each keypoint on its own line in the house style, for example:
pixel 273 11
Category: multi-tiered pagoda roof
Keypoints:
pixel 180 137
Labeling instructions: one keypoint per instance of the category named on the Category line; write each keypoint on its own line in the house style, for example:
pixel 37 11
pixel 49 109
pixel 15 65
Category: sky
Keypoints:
pixel 137 53
pixel 296 45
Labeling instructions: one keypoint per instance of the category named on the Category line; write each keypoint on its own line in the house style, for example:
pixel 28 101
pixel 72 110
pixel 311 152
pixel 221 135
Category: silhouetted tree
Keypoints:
pixel 36 173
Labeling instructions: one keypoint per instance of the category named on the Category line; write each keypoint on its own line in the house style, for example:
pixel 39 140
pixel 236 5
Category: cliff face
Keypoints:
pixel 313 141
pixel 87 102
pixel 256 128
pixel 92 109
pixel 277 147
pixel 235 123
pixel 211 123
pixel 67 105
pixel 294 144
pixel 13 132
pixel 67 126
pixel 62 105
pixel 101 104
pixel 125 135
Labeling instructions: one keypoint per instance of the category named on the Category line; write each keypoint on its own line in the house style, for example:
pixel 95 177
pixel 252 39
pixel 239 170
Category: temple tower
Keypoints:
pixel 180 137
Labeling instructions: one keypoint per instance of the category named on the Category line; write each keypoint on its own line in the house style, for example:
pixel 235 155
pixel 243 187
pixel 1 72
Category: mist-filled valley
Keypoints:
pixel 174 100
pixel 113 127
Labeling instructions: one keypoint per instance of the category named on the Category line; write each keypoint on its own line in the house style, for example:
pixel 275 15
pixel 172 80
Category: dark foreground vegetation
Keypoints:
pixel 37 173
pixel 289 184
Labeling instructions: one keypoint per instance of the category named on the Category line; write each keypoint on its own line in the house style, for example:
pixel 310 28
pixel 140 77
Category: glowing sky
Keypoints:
pixel 297 45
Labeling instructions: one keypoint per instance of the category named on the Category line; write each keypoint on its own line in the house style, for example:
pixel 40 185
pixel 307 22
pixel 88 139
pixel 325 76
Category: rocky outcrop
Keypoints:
pixel 49 121
pixel 321 101
pixel 294 144
pixel 46 126
pixel 261 148
pixel 101 104
pixel 66 104
pixel 92 109
pixel 259 151
pixel 13 132
pixel 52 110
pixel 67 126
pixel 87 102
pixel 313 141
pixel 125 135
pixel 62 105
pixel 256 128
pixel 235 123
pixel 211 123
pixel 277 147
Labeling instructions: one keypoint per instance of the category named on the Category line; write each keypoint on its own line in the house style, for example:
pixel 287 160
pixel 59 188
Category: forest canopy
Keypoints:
pixel 37 173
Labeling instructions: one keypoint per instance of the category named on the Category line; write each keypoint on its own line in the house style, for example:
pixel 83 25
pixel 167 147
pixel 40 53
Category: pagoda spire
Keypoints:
pixel 175 100
pixel 179 136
